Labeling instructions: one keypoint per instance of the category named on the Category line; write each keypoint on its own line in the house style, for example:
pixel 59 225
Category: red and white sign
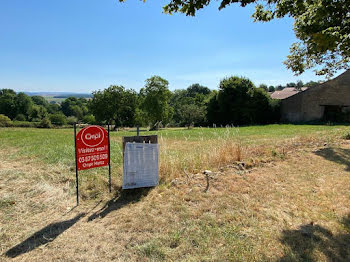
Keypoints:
pixel 92 147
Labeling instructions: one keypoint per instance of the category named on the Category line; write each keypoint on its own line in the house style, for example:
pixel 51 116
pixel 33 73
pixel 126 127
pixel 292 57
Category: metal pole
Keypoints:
pixel 138 130
pixel 109 162
pixel 76 161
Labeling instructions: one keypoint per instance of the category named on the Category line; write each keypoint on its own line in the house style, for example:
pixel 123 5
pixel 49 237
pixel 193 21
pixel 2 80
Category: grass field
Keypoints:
pixel 276 193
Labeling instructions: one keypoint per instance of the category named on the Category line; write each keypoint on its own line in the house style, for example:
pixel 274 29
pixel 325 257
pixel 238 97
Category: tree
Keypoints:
pixel 311 84
pixel 53 108
pixel 73 106
pixel 195 89
pixel 156 97
pixel 37 113
pixel 114 104
pixel 291 84
pixel 322 27
pixel 192 114
pixel 271 89
pixel 263 86
pixel 40 101
pixel 58 119
pixel 239 102
pixel 89 119
pixel 299 85
pixel 7 103
pixel 233 99
pixel 189 105
pixel 23 104
pixel 12 104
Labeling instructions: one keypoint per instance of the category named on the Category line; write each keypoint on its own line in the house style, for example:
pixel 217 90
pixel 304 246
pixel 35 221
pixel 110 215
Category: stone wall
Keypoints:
pixel 309 104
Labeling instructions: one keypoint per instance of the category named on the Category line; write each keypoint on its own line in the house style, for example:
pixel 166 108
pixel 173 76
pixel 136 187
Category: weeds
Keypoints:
pixel 151 250
pixel 346 136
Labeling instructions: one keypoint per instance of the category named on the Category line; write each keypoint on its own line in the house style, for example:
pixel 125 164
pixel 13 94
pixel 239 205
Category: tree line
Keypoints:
pixel 236 102
pixel 298 85
pixel 20 109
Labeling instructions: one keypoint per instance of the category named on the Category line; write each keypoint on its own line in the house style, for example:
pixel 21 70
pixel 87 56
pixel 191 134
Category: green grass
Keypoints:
pixel 182 150
pixel 257 214
pixel 57 145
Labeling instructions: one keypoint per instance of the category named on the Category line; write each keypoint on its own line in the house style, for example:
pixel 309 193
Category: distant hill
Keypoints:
pixel 59 94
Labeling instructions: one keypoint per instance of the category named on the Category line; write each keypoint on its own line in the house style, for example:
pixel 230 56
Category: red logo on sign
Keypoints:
pixel 92 147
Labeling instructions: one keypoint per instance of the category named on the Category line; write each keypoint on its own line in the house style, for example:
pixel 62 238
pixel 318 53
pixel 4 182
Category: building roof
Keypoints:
pixel 286 92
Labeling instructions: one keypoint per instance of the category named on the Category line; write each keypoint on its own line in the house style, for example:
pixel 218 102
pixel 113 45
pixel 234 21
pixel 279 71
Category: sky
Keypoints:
pixel 86 45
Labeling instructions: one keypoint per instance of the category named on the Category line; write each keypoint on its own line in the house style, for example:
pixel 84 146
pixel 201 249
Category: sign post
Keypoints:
pixel 109 163
pixel 76 161
pixel 92 149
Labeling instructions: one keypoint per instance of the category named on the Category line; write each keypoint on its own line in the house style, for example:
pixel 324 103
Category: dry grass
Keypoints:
pixel 278 200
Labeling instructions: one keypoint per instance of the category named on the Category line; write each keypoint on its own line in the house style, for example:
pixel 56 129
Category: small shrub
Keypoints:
pixel 25 124
pixel 346 136
pixel 58 119
pixel 71 120
pixel 20 117
pixel 35 119
pixel 5 121
pixel 45 123
pixel 89 119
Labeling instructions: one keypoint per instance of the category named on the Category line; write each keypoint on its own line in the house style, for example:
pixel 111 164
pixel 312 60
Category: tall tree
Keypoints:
pixel 322 27
pixel 40 101
pixel 73 106
pixel 271 89
pixel 114 104
pixel 156 97
pixel 8 103
pixel 195 89
pixel 37 113
pixel 263 86
pixel 238 102
pixel 24 104
pixel 190 105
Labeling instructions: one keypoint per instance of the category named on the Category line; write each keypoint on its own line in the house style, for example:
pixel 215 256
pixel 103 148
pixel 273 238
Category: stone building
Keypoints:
pixel 329 101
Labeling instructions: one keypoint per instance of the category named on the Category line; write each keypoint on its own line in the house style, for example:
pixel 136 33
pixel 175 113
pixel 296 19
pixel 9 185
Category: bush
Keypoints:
pixel 25 124
pixel 35 119
pixel 58 119
pixel 5 121
pixel 45 123
pixel 89 119
pixel 71 120
pixel 20 117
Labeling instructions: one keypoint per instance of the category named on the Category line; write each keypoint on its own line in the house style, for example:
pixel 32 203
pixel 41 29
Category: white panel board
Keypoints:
pixel 140 165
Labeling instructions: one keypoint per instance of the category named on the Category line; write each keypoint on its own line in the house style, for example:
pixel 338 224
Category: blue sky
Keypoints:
pixel 86 45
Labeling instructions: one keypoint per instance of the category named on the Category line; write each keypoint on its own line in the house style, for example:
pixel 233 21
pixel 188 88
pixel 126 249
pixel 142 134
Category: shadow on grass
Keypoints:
pixel 337 155
pixel 45 235
pixel 122 198
pixel 309 240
